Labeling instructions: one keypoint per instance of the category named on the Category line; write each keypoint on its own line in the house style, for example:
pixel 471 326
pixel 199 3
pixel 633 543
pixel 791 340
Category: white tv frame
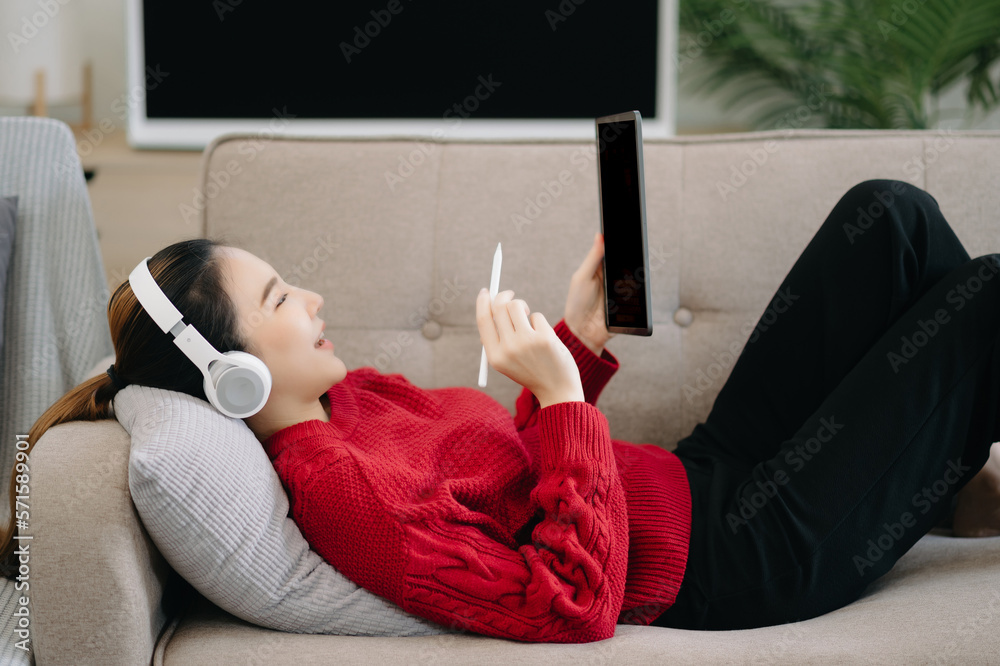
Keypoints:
pixel 195 134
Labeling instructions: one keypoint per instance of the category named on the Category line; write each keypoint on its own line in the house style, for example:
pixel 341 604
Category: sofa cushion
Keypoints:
pixel 214 506
pixel 939 604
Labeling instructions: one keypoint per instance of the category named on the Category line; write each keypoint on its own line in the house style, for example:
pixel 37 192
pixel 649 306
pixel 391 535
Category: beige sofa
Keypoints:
pixel 398 236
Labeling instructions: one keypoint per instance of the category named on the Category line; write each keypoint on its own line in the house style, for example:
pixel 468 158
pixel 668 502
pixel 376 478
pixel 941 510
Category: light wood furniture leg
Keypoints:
pixel 87 98
pixel 39 108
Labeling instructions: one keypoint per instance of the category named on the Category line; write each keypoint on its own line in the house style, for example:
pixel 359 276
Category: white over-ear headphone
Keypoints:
pixel 236 383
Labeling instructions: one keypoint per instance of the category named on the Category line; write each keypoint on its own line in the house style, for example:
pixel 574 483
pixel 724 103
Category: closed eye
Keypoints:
pixel 280 301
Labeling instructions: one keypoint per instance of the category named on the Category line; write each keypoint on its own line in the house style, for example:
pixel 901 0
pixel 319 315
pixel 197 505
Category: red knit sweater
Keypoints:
pixel 522 528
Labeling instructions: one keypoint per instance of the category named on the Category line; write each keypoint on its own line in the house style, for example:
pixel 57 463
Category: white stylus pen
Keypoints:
pixel 494 286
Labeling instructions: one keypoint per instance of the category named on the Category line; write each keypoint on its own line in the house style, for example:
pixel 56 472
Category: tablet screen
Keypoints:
pixel 623 227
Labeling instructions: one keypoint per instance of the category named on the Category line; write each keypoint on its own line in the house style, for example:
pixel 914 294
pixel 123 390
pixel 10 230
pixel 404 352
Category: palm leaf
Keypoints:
pixel 877 64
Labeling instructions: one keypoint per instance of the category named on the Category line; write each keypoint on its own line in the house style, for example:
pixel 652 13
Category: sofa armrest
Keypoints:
pixel 97 580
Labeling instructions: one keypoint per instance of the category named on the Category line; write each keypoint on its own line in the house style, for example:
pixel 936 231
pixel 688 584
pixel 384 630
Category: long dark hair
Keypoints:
pixel 191 275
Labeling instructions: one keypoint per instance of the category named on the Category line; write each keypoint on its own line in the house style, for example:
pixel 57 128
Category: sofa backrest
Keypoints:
pixel 398 236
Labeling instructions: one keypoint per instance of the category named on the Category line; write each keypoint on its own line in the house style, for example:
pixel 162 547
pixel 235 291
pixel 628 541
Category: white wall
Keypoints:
pixel 39 34
pixel 954 101
pixel 59 36
pixel 104 44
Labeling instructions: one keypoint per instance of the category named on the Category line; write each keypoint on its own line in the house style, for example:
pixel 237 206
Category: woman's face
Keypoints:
pixel 281 324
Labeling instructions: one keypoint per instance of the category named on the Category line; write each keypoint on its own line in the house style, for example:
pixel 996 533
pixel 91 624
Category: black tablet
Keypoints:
pixel 623 223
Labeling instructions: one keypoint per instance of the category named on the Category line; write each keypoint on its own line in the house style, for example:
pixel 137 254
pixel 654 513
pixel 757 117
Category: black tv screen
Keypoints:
pixel 520 59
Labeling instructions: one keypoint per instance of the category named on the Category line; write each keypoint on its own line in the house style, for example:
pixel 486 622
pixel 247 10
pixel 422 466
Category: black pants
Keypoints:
pixel 866 397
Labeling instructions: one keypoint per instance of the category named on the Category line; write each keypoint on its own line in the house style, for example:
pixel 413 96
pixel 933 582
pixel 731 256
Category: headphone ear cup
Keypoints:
pixel 239 385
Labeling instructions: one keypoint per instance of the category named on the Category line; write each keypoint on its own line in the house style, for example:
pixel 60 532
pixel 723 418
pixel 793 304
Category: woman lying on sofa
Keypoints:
pixel 841 437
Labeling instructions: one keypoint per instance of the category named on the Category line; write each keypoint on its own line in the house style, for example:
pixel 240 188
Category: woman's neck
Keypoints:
pixel 267 421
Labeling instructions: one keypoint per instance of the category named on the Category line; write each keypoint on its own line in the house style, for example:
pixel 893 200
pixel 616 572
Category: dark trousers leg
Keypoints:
pixel 860 405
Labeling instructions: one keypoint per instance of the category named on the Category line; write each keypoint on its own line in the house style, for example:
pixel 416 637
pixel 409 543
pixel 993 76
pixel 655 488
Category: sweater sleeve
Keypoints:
pixel 568 584
pixel 595 371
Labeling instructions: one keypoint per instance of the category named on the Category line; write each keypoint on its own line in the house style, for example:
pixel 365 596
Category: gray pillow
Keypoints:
pixel 8 217
pixel 215 508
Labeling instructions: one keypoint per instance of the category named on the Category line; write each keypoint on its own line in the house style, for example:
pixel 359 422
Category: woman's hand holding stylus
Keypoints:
pixel 585 304
pixel 522 345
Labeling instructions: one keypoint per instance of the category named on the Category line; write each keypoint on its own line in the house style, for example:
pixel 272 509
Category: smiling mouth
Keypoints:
pixel 322 342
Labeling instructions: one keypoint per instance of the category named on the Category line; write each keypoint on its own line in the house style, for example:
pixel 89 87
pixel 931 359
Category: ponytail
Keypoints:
pixel 191 275
pixel 89 401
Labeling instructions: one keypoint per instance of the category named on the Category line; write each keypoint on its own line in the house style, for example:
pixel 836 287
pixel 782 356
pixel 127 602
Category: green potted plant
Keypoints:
pixel 870 64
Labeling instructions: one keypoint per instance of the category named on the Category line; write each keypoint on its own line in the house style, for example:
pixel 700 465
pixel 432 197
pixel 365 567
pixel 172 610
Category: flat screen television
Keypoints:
pixel 517 69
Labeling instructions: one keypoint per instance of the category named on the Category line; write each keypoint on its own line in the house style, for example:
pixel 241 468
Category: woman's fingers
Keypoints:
pixel 509 318
pixel 593 259
pixel 505 327
pixel 521 345
pixel 539 322
pixel 484 321
pixel 508 315
pixel 518 311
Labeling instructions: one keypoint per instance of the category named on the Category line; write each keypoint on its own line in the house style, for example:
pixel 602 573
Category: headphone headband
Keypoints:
pixel 236 383
pixel 152 298
pixel 170 320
